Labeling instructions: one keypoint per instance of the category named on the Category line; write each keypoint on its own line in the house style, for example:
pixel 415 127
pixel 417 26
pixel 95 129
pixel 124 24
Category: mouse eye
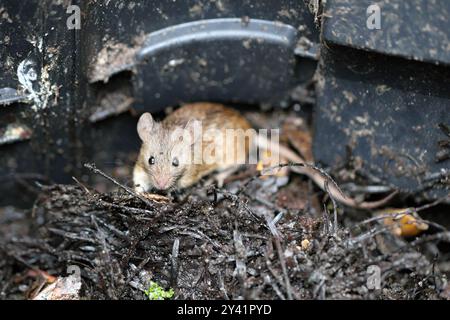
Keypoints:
pixel 175 162
pixel 151 160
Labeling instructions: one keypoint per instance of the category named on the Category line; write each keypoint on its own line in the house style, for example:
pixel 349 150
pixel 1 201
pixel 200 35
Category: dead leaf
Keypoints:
pixel 403 222
pixel 267 161
pixel 155 197
pixel 39 273
pixel 299 136
pixel 64 288
pixel 305 244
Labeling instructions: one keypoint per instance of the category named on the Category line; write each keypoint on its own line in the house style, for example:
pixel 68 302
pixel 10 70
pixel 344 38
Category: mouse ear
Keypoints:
pixel 144 126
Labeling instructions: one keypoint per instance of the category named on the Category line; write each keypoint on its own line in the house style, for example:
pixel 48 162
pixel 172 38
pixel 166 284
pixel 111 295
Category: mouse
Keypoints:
pixel 191 143
pixel 188 145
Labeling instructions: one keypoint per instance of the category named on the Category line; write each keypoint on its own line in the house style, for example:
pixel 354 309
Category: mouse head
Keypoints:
pixel 165 153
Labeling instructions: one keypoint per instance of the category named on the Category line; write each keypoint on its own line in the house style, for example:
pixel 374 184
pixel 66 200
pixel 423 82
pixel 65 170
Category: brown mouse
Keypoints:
pixel 169 156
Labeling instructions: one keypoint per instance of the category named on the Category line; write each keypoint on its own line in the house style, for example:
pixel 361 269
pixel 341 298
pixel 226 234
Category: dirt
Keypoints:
pixel 114 58
pixel 256 239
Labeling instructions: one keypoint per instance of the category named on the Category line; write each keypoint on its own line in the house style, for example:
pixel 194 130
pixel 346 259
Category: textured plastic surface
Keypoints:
pixel 413 29
pixel 386 113
pixel 217 60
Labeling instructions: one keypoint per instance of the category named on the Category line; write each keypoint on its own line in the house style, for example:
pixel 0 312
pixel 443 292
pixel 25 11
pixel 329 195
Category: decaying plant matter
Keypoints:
pixel 208 243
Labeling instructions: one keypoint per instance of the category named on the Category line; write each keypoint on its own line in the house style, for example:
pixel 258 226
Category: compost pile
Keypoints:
pixel 261 238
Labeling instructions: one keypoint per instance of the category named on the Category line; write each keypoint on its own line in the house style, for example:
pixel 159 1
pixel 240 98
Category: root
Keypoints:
pixel 321 178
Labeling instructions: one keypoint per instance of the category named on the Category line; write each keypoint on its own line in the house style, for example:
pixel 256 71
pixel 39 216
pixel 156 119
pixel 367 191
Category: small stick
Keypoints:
pixel 432 204
pixel 396 216
pixel 93 168
pixel 275 288
pixel 240 256
pixel 276 238
pixel 174 266
pixel 326 224
pixel 335 222
pixel 134 273
pixel 133 211
pixel 222 286
pixel 320 178
pixel 369 234
pixel 441 236
pixel 408 211
pixel 81 185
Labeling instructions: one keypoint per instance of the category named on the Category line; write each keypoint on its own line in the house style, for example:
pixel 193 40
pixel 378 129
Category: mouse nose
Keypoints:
pixel 161 183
